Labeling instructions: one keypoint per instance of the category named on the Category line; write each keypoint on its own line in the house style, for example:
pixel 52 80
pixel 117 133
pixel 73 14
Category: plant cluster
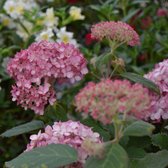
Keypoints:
pixel 84 92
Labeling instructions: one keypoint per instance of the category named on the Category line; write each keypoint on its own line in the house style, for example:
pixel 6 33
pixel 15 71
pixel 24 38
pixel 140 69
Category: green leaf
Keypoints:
pixel 152 160
pixel 139 142
pixel 24 128
pixel 51 156
pixel 103 59
pixel 115 157
pixel 134 152
pixel 96 48
pixel 130 15
pixel 140 79
pixel 139 128
pixel 160 140
pixel 97 128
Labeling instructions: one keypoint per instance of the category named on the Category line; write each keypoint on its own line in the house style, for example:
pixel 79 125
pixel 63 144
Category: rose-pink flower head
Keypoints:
pixel 71 133
pixel 159 105
pixel 116 31
pixel 36 69
pixel 162 12
pixel 106 98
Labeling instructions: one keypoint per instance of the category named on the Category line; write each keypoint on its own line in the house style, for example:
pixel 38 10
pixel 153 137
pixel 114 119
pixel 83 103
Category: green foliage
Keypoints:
pixel 115 157
pixel 139 79
pixel 152 160
pixel 160 140
pixel 24 128
pixel 139 128
pixel 51 156
pixel 138 146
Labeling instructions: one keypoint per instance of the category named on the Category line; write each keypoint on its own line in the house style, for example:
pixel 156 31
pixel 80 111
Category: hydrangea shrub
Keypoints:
pixel 69 73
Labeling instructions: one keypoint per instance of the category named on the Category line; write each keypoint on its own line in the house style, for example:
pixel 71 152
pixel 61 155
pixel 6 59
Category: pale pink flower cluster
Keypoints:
pixel 117 31
pixel 37 68
pixel 106 98
pixel 71 133
pixel 159 105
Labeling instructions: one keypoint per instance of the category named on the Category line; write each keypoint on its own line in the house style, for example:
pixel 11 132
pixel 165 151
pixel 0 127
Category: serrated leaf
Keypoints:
pixel 139 128
pixel 160 140
pixel 51 156
pixel 115 157
pixel 140 79
pixel 24 128
pixel 152 160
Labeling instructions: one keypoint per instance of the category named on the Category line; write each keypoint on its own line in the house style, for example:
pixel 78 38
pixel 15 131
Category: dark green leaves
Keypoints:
pixel 139 128
pixel 115 157
pixel 24 128
pixel 160 140
pixel 140 79
pixel 153 160
pixel 51 156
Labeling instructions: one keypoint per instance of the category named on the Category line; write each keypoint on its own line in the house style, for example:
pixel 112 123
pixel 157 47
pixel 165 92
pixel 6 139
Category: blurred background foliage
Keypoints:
pixel 144 15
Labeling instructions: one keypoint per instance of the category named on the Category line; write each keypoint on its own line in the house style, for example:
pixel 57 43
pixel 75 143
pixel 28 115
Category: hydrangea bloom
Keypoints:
pixel 103 100
pixel 159 105
pixel 37 68
pixel 71 133
pixel 116 31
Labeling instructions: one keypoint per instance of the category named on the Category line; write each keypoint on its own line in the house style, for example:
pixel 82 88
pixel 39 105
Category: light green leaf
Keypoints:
pixel 140 79
pixel 139 128
pixel 51 156
pixel 115 157
pixel 24 128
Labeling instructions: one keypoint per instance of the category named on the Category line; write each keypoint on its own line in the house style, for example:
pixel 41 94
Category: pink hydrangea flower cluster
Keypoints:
pixel 116 31
pixel 103 100
pixel 159 104
pixel 37 68
pixel 71 133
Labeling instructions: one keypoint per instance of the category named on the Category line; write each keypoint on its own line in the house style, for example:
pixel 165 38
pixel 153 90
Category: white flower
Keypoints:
pixel 75 13
pixel 49 19
pixel 6 21
pixel 45 35
pixel 65 36
pixel 22 32
pixel 29 4
pixel 16 8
